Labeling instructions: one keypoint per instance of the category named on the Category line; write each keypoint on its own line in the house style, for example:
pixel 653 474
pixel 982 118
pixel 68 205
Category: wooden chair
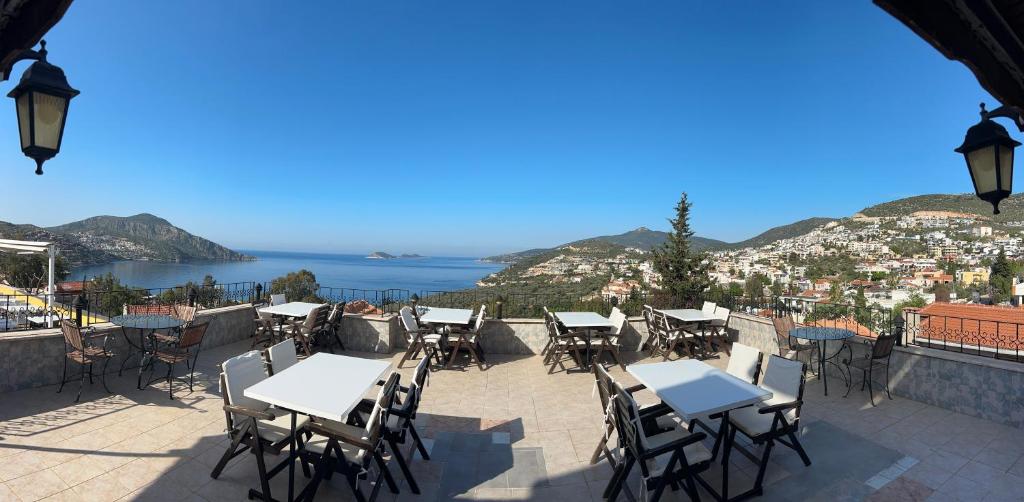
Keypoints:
pixel 280 357
pixel 419 338
pixel 350 449
pixel 267 330
pixel 774 420
pixel 672 457
pixel 547 319
pixel 78 349
pixel 673 337
pixel 254 425
pixel 718 334
pixel 652 343
pixel 745 363
pixel 608 341
pixel 562 345
pixel 178 311
pixel 334 323
pixel 304 332
pixel 277 299
pixel 459 339
pixel 185 350
pixel 660 413
pixel 878 357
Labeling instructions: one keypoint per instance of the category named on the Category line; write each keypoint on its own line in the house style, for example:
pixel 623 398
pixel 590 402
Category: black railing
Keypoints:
pixel 996 339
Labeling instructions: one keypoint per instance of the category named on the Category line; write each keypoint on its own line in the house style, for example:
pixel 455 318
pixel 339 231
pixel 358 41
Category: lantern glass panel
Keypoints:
pixel 49 115
pixel 1006 168
pixel 983 168
pixel 23 117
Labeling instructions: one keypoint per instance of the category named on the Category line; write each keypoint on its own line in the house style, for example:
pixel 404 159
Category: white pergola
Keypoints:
pixel 36 247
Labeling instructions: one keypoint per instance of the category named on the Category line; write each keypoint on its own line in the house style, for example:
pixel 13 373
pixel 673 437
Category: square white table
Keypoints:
pixel 695 389
pixel 698 317
pixel 324 385
pixel 291 309
pixel 439 315
pixel 585 321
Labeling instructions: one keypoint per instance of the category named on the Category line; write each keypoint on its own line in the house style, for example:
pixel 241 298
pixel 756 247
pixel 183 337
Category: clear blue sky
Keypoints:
pixel 470 128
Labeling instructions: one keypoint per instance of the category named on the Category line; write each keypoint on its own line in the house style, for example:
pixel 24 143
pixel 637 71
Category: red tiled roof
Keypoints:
pixel 973 325
pixel 846 323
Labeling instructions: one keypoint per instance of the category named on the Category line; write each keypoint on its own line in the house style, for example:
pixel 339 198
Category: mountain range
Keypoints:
pixel 103 239
pixel 1012 209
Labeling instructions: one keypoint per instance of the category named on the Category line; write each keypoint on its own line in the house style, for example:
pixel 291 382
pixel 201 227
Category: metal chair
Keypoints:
pixel 79 350
pixel 186 350
pixel 783 325
pixel 879 356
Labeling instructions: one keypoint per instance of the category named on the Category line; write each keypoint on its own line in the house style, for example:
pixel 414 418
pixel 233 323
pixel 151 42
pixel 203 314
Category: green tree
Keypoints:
pixel 30 271
pixel 735 290
pixel 108 296
pixel 684 272
pixel 915 301
pixel 835 293
pixel 753 288
pixel 208 295
pixel 298 286
pixel 777 288
pixel 1001 278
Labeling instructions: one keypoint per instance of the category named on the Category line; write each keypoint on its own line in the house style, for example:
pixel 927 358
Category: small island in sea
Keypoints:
pixel 381 255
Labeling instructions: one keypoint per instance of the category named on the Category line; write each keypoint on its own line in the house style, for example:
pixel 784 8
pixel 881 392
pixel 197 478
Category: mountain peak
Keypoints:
pixel 642 229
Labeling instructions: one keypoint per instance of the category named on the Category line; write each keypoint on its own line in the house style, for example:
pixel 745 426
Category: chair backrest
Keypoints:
pixel 277 299
pixel 618 320
pixel 148 309
pixel 419 381
pixel 744 363
pixel 379 416
pixel 192 336
pixel 649 319
pixel 480 318
pixel 785 379
pixel 240 373
pixel 408 322
pixel 783 325
pixel 605 385
pixel 553 329
pixel 317 318
pixel 709 308
pixel 184 312
pixel 722 313
pixel 282 356
pixel 883 346
pixel 337 314
pixel 627 422
pixel 72 334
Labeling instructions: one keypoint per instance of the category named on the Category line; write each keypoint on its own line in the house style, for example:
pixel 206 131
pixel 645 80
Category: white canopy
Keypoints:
pixel 33 247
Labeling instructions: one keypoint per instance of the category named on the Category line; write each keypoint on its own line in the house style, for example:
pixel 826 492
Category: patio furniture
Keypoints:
pixel 695 389
pixel 664 458
pixel 775 420
pixel 608 341
pixel 277 299
pixel 267 331
pixel 78 349
pixel 563 344
pixel 652 343
pixel 349 449
pixel 694 323
pixel 143 323
pixel 787 343
pixel 334 323
pixel 605 385
pixel 186 314
pixel 419 339
pixel 252 424
pixel 672 337
pixel 186 350
pixel 468 339
pixel 718 335
pixel 547 319
pixel 442 319
pixel 326 386
pixel 583 324
pixel 823 339
pixel 878 356
pixel 305 332
pixel 281 356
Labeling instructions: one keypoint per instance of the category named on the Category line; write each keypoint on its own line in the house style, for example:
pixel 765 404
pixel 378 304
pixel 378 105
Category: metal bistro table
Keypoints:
pixel 323 385
pixel 693 316
pixel 143 323
pixel 586 321
pixel 821 335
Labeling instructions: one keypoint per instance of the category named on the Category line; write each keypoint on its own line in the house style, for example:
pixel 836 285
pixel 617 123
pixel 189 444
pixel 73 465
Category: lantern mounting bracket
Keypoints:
pixel 1010 112
pixel 27 55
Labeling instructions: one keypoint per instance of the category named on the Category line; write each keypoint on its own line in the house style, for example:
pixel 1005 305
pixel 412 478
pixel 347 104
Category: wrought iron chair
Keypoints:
pixel 673 457
pixel 78 349
pixel 419 339
pixel 459 339
pixel 252 425
pixel 878 356
pixel 350 449
pixel 186 350
pixel 774 420
pixel 783 325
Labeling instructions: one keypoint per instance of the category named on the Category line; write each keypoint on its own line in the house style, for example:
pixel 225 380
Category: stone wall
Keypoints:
pixel 372 333
pixel 36 358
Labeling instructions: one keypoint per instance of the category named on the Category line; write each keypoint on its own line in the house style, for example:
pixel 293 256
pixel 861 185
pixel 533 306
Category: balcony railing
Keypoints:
pixel 997 339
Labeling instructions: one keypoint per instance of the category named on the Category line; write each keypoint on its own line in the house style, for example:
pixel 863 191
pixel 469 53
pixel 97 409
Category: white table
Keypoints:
pixel 695 389
pixel 693 316
pixel 585 321
pixel 291 309
pixel 324 385
pixel 439 315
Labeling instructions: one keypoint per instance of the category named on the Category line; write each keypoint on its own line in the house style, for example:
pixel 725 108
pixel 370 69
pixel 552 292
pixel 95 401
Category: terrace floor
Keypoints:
pixel 511 432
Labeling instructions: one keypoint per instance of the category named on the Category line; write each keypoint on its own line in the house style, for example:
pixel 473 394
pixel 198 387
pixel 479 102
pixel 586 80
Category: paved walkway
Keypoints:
pixel 511 432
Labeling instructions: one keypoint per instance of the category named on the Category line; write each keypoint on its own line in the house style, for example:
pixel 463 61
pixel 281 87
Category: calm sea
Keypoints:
pixel 331 270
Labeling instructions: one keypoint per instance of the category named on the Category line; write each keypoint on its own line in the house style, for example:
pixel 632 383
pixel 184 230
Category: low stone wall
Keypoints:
pixel 36 358
pixel 972 385
pixel 372 333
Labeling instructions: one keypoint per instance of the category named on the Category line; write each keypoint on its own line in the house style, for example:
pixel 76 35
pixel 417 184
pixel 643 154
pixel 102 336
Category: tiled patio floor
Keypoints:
pixel 511 432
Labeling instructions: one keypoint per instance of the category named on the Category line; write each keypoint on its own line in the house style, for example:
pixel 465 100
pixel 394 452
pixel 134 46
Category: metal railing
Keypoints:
pixel 996 339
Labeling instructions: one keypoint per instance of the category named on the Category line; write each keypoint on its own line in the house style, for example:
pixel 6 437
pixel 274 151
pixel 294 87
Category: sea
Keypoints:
pixel 331 270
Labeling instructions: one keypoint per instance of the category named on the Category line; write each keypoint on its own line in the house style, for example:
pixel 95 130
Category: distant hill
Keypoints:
pixel 1011 209
pixel 781 232
pixel 103 239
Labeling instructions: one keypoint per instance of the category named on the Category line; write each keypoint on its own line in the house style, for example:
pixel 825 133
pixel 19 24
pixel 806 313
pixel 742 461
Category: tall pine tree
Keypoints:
pixel 684 272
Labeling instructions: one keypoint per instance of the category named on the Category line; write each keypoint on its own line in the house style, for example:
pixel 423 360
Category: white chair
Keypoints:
pixel 277 300
pixel 459 339
pixel 419 338
pixel 718 335
pixel 745 363
pixel 254 425
pixel 283 356
pixel 709 308
pixel 774 420
pixel 608 341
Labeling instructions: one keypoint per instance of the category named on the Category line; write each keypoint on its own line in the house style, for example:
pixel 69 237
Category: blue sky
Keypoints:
pixel 470 127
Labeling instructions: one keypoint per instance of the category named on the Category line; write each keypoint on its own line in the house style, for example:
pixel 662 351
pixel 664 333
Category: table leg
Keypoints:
pixel 586 364
pixel 723 431
pixel 821 364
pixel 291 461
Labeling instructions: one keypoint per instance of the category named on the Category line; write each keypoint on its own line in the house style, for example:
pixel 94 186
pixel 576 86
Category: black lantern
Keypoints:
pixel 988 150
pixel 41 98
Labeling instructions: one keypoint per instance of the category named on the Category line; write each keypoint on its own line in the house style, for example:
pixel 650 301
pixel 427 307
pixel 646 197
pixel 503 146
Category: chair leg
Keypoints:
pixel 64 375
pixel 615 484
pixel 602 447
pixel 759 481
pixel 387 473
pixel 455 353
pixel 408 353
pixel 403 466
pixel 871 390
pixel 229 454
pixel 103 376
pixel 170 381
pixel 90 374
pixel 799 448
pixel 887 382
pixel 419 444
pixel 81 384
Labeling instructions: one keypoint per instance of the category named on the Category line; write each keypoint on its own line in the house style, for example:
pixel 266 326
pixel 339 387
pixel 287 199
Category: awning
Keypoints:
pixel 23 23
